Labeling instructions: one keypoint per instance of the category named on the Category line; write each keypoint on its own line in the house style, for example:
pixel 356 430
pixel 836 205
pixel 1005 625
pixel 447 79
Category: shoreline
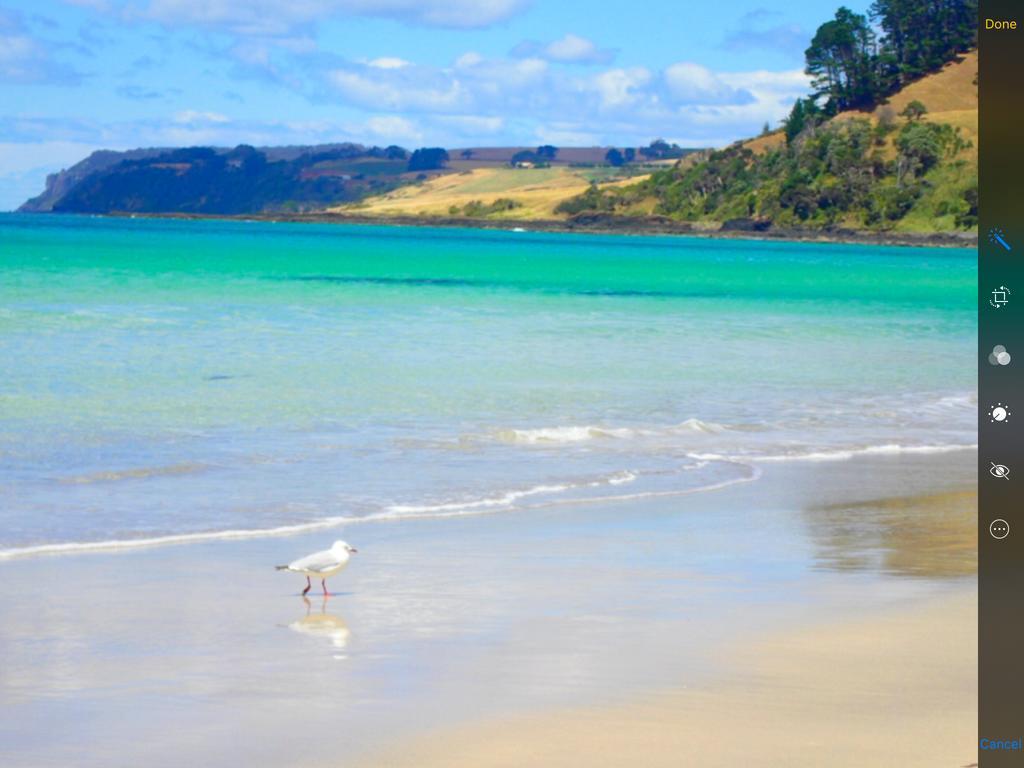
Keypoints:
pixel 598 224
pixel 184 538
pixel 619 613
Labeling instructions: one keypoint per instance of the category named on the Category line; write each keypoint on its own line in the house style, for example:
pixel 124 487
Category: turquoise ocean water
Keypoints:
pixel 167 378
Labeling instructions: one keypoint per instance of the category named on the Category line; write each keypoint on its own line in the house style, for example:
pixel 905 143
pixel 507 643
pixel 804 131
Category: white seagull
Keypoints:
pixel 321 564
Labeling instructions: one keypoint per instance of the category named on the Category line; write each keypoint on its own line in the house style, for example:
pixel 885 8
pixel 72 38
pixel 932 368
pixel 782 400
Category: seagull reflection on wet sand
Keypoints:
pixel 323 625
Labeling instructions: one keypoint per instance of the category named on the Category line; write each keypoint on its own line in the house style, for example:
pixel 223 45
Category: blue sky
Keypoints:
pixel 79 75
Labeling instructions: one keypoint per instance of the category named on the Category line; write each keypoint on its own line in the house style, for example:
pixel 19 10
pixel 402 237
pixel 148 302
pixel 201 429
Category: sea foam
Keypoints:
pixel 578 434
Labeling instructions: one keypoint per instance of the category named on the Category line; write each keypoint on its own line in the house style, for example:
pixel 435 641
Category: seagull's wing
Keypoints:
pixel 318 561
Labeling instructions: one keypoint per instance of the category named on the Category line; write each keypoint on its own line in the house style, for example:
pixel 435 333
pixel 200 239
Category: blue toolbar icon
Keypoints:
pixel 996 237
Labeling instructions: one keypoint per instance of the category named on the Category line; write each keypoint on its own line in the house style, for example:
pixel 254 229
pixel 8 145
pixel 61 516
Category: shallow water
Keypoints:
pixel 183 378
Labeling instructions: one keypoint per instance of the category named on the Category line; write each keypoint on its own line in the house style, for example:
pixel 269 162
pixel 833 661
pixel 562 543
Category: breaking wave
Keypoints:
pixel 842 454
pixel 578 434
pixel 545 495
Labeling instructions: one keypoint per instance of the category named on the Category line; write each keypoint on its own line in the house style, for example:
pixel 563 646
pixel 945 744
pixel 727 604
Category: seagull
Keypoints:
pixel 321 564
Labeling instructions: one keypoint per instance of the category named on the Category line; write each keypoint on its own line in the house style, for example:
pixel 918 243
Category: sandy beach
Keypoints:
pixel 894 690
pixel 741 626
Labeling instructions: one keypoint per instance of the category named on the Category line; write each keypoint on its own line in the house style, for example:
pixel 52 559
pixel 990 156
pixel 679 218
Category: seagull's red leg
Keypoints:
pixel 324 582
pixel 308 587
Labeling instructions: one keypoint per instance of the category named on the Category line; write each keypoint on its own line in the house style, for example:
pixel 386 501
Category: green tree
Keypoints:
pixel 915 110
pixel 805 114
pixel 922 145
pixel 842 61
pixel 523 156
pixel 614 157
pixel 921 35
pixel 660 149
pixel 428 159
pixel 796 121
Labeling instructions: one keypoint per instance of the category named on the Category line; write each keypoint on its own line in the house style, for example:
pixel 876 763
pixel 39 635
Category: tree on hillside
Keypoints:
pixel 428 159
pixel 659 149
pixel 852 68
pixel 614 157
pixel 922 35
pixel 547 152
pixel 523 157
pixel 656 149
pixel 842 60
pixel 796 121
pixel 805 114
pixel 915 110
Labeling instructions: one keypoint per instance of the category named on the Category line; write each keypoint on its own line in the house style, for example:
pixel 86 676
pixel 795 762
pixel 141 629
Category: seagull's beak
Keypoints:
pixel 352 549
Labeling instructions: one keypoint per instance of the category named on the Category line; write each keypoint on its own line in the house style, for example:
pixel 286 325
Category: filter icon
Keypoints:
pixel 999 355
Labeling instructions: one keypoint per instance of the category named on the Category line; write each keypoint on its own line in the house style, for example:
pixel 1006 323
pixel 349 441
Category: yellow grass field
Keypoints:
pixel 537 190
pixel 951 89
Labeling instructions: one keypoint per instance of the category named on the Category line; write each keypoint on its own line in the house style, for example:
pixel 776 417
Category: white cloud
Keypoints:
pixel 388 62
pixel 575 48
pixel 690 83
pixel 786 81
pixel 392 128
pixel 96 5
pixel 468 59
pixel 568 134
pixel 402 89
pixel 193 117
pixel 25 59
pixel 273 18
pixel 521 97
pixel 472 125
pixel 762 29
pixel 771 97
pixel 569 48
pixel 466 14
pixel 194 135
pixel 621 87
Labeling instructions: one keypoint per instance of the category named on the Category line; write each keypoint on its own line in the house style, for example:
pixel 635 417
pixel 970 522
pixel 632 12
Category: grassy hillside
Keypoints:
pixel 499 192
pixel 883 169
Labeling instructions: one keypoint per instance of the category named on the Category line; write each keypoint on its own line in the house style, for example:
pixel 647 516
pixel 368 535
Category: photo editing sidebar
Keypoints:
pixel 1001 384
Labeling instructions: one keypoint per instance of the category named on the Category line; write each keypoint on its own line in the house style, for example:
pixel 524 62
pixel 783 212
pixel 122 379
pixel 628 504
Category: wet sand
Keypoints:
pixel 898 689
pixel 808 616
